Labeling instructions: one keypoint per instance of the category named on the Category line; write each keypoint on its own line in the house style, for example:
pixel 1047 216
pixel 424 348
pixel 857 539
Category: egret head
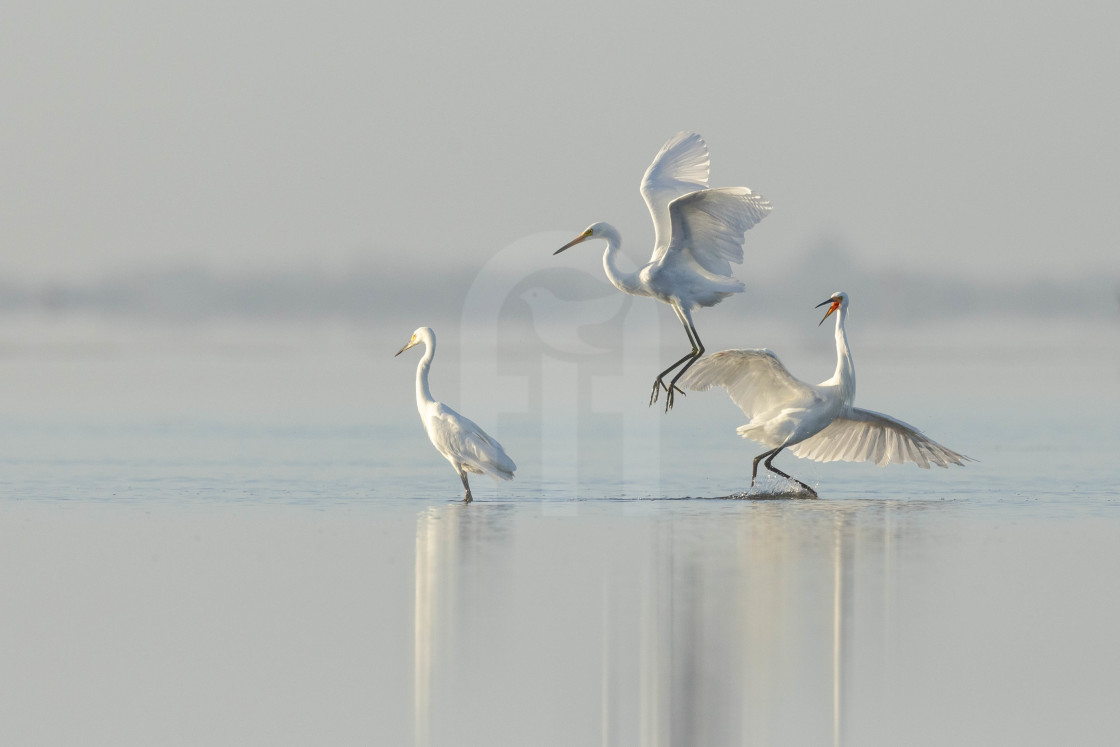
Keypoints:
pixel 598 230
pixel 838 300
pixel 422 334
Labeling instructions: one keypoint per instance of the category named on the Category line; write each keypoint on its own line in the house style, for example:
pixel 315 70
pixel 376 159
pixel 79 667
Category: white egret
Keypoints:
pixel 698 233
pixel 814 422
pixel 459 439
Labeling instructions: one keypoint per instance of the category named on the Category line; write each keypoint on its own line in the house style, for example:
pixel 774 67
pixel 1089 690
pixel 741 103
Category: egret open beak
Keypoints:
pixel 835 305
pixel 406 347
pixel 582 237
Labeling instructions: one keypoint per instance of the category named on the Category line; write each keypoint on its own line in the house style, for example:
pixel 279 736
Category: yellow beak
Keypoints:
pixel 582 237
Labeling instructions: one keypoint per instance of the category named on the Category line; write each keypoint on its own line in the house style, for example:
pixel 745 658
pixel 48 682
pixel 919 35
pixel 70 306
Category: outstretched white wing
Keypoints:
pixel 679 168
pixel 710 225
pixel 755 379
pixel 866 436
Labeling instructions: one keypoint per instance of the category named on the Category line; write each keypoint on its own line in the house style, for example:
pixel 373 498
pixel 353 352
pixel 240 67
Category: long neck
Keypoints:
pixel 423 392
pixel 627 282
pixel 845 375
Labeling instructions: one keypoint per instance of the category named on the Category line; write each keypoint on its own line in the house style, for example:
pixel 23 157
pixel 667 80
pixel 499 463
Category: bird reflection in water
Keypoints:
pixel 736 621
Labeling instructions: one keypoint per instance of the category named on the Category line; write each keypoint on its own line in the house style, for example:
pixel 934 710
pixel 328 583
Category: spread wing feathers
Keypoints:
pixel 755 379
pixel 710 225
pixel 462 440
pixel 679 168
pixel 866 436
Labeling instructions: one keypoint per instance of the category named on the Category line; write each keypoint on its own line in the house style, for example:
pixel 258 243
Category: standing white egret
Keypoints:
pixel 459 439
pixel 698 233
pixel 814 422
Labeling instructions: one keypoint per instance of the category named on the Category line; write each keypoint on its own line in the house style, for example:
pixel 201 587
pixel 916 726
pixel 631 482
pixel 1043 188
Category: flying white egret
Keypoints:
pixel 459 439
pixel 814 422
pixel 698 233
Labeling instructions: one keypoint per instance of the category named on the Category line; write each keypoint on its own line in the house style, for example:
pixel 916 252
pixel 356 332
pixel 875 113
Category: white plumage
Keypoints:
pixel 461 441
pixel 699 232
pixel 814 422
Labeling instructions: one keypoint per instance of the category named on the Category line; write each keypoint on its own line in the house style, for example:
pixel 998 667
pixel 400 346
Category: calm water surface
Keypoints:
pixel 198 547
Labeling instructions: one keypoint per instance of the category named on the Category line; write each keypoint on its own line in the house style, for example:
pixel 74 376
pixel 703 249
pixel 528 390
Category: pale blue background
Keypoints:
pixel 385 145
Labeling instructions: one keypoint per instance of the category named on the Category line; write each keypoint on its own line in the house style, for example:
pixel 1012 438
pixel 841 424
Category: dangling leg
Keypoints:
pixel 774 469
pixel 466 485
pixel 697 351
pixel 659 383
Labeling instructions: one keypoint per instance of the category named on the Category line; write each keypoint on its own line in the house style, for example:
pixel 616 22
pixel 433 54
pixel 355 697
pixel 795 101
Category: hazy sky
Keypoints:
pixel 954 138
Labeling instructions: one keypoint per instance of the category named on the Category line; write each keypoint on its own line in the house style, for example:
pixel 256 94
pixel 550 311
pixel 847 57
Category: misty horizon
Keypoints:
pixel 193 292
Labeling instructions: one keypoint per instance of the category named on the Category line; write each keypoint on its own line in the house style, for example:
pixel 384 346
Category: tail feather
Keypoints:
pixel 746 430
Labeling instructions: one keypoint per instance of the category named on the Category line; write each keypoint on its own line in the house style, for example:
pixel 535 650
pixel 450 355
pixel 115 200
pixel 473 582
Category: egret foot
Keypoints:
pixel 769 456
pixel 466 486
pixel 670 391
pixel 659 382
pixel 807 489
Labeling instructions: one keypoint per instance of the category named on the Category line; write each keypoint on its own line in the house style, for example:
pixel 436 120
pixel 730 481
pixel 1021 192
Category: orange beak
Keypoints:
pixel 835 305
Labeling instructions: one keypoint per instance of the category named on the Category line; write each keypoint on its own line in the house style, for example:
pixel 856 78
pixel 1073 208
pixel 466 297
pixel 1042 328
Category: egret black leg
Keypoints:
pixel 697 351
pixel 688 360
pixel 466 486
pixel 774 469
pixel 659 384
pixel 759 458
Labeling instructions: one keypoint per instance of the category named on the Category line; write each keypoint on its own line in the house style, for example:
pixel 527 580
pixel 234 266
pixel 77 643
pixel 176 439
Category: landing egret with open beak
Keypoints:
pixel 814 422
